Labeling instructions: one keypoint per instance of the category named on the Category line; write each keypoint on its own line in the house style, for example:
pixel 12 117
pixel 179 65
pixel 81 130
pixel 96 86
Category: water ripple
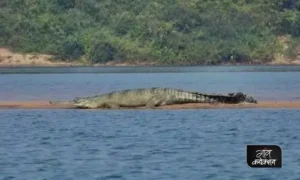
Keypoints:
pixel 164 144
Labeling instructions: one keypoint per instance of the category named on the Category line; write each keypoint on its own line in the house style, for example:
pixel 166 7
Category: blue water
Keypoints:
pixel 146 144
pixel 156 69
pixel 261 85
pixel 159 144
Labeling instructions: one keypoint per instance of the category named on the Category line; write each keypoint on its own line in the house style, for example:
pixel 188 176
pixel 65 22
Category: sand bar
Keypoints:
pixel 261 104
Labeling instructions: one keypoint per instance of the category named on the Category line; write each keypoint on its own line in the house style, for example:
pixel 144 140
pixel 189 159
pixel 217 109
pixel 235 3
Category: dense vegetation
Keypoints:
pixel 170 31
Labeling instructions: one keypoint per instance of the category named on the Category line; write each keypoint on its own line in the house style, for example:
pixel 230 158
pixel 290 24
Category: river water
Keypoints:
pixel 146 144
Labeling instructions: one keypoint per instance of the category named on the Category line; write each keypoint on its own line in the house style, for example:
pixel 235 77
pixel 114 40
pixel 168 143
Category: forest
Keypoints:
pixel 173 32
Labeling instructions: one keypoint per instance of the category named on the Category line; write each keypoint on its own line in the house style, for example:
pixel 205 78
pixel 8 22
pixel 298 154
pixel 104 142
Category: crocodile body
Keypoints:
pixel 154 97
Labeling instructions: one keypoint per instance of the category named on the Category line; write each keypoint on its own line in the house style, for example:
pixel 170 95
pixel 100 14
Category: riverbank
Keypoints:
pixel 11 59
pixel 262 104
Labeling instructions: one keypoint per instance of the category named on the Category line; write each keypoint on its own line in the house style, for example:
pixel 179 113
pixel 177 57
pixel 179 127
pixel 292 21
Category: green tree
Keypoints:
pixel 169 31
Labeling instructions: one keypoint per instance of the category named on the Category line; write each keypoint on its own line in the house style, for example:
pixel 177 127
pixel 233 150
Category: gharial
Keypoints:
pixel 153 97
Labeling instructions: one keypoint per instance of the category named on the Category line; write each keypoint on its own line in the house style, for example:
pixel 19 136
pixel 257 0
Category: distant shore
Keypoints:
pixel 11 59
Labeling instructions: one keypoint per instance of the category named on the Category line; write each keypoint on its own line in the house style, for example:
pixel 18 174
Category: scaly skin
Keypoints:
pixel 153 97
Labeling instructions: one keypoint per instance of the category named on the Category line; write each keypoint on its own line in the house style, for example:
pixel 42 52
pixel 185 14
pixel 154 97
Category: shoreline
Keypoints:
pixel 262 104
pixel 136 65
pixel 9 59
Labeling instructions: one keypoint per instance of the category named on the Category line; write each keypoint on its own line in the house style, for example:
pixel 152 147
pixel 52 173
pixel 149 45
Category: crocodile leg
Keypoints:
pixel 112 105
pixel 154 102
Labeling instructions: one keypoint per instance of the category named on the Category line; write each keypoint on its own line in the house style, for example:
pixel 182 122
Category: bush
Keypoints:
pixel 290 23
pixel 168 32
pixel 3 34
pixel 102 52
pixel 71 50
pixel 66 4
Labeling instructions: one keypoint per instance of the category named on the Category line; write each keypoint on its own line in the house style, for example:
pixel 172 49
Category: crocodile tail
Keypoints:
pixel 190 97
pixel 182 96
pixel 202 98
pixel 196 97
pixel 208 98
pixel 231 98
